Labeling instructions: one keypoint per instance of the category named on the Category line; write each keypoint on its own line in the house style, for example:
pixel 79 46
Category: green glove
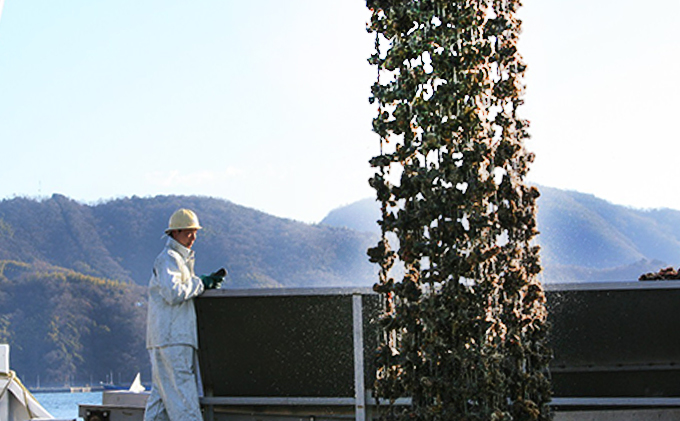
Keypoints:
pixel 214 280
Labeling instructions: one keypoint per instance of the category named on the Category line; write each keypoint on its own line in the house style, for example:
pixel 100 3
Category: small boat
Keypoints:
pixel 111 386
pixel 136 385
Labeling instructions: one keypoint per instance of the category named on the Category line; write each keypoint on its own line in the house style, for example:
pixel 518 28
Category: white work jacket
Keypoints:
pixel 171 317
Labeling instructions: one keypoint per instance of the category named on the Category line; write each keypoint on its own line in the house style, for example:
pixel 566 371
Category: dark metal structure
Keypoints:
pixel 291 354
pixel 615 344
pixel 287 352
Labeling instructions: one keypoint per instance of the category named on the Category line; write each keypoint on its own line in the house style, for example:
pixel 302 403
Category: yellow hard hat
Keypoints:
pixel 183 219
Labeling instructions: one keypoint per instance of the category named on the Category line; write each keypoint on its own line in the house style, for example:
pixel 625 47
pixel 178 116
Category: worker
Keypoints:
pixel 171 335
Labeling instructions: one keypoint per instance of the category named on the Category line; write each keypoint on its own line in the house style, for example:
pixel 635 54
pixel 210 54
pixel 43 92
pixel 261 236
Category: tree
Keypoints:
pixel 465 326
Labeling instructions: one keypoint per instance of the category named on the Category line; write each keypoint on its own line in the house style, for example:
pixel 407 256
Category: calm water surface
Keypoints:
pixel 65 405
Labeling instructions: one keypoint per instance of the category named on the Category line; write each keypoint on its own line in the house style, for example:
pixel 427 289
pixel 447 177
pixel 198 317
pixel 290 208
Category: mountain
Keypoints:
pixel 582 237
pixel 360 216
pixel 587 238
pixel 119 240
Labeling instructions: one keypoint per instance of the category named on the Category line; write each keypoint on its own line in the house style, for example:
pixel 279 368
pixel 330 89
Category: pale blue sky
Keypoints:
pixel 265 103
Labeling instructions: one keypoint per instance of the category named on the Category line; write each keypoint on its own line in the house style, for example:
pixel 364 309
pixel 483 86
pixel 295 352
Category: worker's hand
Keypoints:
pixel 210 282
pixel 215 279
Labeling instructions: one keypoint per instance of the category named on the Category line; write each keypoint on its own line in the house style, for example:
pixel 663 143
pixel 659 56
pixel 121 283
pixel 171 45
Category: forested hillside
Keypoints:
pixel 67 328
pixel 582 237
pixel 120 239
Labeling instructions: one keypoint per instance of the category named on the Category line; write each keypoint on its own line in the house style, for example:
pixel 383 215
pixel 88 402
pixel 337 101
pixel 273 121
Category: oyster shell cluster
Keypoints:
pixel 666 274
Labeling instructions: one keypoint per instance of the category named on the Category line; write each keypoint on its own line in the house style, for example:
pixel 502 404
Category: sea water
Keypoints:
pixel 65 405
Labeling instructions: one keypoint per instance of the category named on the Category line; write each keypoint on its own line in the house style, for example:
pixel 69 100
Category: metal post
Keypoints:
pixel 208 407
pixel 359 387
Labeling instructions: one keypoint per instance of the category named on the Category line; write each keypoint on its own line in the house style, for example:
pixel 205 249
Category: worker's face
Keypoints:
pixel 185 237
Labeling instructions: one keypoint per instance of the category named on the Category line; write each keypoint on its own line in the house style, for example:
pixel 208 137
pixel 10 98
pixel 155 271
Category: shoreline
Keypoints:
pixel 66 389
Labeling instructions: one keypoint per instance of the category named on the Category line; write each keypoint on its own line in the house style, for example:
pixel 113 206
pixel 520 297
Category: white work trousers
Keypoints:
pixel 174 393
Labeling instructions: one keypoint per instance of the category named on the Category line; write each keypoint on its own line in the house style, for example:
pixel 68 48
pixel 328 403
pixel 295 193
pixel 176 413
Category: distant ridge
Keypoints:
pixel 583 238
pixel 119 240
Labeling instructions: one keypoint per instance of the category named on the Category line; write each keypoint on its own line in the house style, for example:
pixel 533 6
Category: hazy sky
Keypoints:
pixel 266 103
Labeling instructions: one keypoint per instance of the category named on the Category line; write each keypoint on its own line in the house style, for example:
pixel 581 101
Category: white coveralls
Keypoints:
pixel 171 336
